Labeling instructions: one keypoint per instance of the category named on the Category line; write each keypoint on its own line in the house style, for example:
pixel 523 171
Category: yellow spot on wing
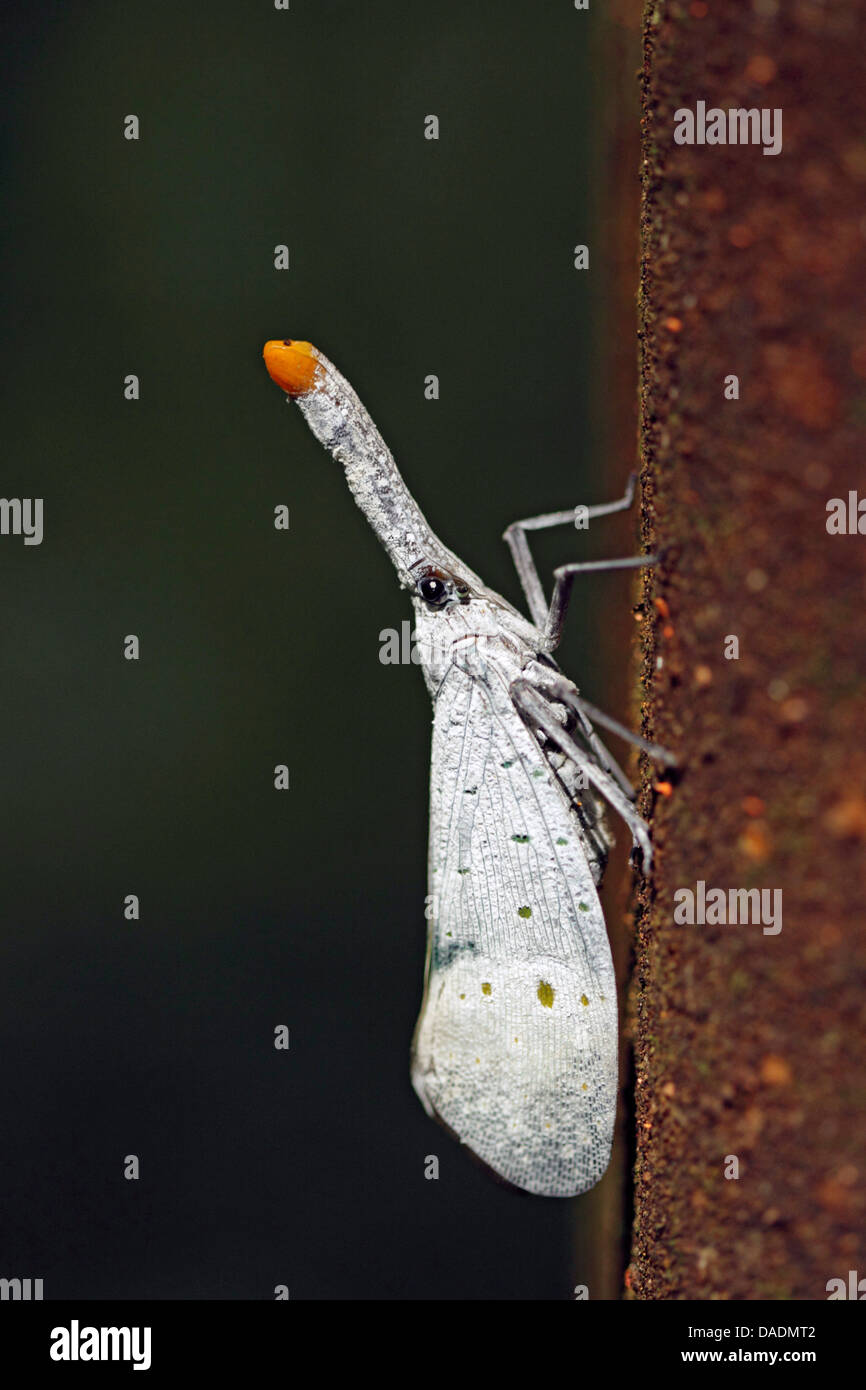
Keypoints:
pixel 486 988
pixel 546 994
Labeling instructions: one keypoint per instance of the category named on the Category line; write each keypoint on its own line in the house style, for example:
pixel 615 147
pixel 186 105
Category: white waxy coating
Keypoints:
pixel 515 1048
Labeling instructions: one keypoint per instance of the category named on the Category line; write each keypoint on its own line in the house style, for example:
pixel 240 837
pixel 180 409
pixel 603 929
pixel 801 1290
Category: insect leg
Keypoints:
pixel 562 689
pixel 565 576
pixel 558 687
pixel 515 536
pixel 535 710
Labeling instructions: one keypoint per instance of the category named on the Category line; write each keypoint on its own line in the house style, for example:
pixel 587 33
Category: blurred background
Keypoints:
pixel 408 257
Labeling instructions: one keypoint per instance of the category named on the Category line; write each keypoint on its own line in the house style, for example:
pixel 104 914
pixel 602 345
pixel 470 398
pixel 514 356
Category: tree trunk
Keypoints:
pixel 749 1039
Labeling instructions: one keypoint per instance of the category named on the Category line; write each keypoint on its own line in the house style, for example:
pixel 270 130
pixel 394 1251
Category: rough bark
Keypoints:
pixel 750 1044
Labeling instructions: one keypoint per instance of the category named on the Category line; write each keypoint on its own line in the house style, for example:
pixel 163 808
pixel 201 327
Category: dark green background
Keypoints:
pixel 257 647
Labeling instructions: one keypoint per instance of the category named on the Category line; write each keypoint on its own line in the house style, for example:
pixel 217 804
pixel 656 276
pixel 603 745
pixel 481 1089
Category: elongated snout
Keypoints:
pixel 340 423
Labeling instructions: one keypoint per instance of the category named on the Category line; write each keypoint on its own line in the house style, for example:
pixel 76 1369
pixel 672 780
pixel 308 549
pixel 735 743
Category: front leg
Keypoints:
pixel 518 544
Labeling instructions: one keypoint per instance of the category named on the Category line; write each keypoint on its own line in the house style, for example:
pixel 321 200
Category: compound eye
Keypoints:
pixel 433 591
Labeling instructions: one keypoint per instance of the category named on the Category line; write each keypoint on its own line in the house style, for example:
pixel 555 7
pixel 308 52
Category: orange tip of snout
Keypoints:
pixel 292 365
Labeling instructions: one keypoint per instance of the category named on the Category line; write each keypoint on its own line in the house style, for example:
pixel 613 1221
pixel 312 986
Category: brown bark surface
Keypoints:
pixel 750 1044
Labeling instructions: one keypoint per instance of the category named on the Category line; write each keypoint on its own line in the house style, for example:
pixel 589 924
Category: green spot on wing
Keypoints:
pixel 524 912
pixel 583 907
pixel 546 994
pixel 520 839
pixel 562 840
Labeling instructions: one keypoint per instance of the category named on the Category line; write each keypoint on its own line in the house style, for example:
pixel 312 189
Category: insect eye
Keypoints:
pixel 433 591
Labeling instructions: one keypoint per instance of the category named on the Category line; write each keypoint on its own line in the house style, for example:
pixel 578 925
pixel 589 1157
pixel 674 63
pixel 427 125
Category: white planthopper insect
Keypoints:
pixel 515 1049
